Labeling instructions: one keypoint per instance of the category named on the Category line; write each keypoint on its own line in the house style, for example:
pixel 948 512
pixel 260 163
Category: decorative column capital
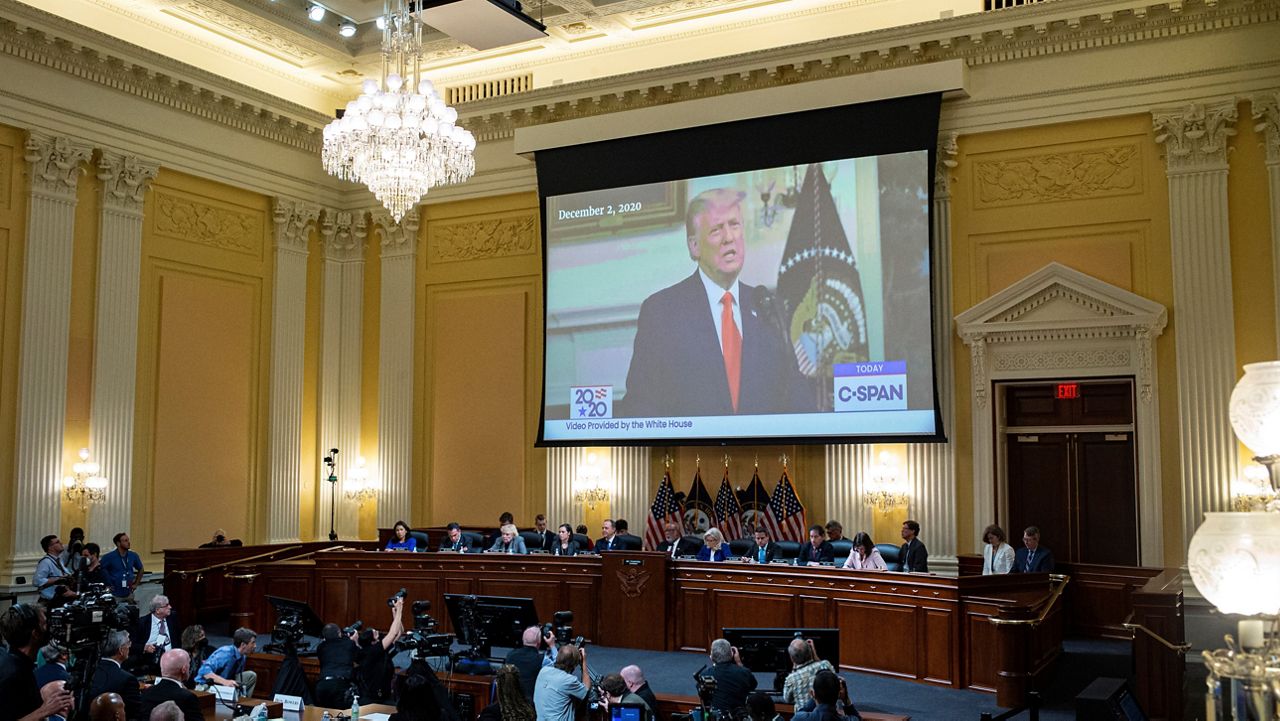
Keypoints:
pixel 55 163
pixel 1266 118
pixel 398 239
pixel 292 218
pixel 1195 137
pixel 948 148
pixel 343 233
pixel 125 180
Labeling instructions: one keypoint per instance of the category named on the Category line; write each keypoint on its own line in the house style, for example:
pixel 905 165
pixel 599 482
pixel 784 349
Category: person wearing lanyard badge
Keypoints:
pixel 123 568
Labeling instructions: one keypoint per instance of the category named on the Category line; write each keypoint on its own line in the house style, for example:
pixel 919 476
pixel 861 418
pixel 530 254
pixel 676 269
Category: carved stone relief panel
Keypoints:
pixel 482 239
pixel 189 220
pixel 1071 173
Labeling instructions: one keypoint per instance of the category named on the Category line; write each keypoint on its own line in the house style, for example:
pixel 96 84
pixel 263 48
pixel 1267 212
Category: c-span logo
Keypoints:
pixel 591 402
pixel 872 386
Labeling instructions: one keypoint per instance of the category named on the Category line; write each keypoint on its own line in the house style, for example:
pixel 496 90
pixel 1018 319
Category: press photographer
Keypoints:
pixel 558 692
pixel 91 627
pixel 374 669
pixel 538 649
pixel 725 686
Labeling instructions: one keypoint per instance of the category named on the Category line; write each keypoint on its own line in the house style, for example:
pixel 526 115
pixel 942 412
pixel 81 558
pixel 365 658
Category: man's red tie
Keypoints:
pixel 731 345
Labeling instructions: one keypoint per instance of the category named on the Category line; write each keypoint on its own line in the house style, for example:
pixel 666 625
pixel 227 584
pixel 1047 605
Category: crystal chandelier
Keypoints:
pixel 85 486
pixel 399 138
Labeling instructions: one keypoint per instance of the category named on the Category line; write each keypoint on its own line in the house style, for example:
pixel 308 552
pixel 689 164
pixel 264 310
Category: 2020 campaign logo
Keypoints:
pixel 591 402
pixel 871 386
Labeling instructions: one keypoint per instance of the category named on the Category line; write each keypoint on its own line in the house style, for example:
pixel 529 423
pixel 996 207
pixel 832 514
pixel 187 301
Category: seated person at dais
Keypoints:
pixel 400 539
pixel 713 547
pixel 509 541
pixel 454 540
pixel 818 550
pixel 565 545
pixel 865 556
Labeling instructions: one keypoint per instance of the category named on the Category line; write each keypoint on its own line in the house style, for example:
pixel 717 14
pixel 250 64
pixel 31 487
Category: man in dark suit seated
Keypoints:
pixel 818 550
pixel 55 665
pixel 915 557
pixel 675 545
pixel 454 540
pixel 110 676
pixel 548 542
pixel 1032 557
pixel 628 541
pixel 765 549
pixel 175 665
pixel 152 635
pixel 711 345
pixel 609 541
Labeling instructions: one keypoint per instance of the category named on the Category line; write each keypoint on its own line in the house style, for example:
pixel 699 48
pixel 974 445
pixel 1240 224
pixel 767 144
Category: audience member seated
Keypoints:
pixel 835 531
pixel 1032 557
pixel 804 665
pixel 865 556
pixel 51 577
pixel 225 666
pixel 454 539
pixel 167 711
pixel 565 545
pixel 110 676
pixel 546 538
pixel 914 556
pixel 733 680
pixel 171 687
pixel 512 704
pixel 713 547
pixel 581 530
pixel 374 669
pixel 528 659
pixel 760 706
pixel 55 665
pixel 196 644
pixel 123 568
pixel 763 549
pixel 829 701
pixel 558 690
pixel 639 686
pixel 22 626
pixel 423 697
pixel 997 556
pixel 613 689
pixel 400 539
pixel 152 635
pixel 674 545
pixel 609 541
pixel 335 683
pixel 509 541
pixel 108 707
pixel 818 550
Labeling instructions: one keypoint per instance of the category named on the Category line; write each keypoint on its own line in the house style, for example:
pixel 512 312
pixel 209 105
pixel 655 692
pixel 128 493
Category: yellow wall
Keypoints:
pixel 1252 272
pixel 1091 195
pixel 13 213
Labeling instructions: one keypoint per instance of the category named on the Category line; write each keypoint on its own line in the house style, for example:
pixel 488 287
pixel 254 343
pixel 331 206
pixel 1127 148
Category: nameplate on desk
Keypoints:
pixel 632 562
pixel 224 693
pixel 291 703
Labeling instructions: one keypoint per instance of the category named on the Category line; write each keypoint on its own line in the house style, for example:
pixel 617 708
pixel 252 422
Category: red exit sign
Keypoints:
pixel 1067 391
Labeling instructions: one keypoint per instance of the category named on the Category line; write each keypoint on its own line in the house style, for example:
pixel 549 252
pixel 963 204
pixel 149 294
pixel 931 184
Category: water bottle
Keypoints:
pixel 326 716
pixel 259 713
pixel 355 708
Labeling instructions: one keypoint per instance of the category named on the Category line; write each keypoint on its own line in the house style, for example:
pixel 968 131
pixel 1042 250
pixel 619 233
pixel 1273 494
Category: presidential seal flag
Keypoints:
pixel 665 509
pixel 819 286
pixel 699 512
pixel 754 500
pixel 728 512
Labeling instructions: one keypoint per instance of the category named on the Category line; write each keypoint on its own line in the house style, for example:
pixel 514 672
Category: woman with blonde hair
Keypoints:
pixel 713 547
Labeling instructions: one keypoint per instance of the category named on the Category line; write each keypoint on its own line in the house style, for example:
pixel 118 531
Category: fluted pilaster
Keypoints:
pixel 631 495
pixel 125 181
pixel 848 470
pixel 931 470
pixel 395 366
pixel 562 468
pixel 53 170
pixel 340 360
pixel 1195 142
pixel 1266 118
pixel 293 222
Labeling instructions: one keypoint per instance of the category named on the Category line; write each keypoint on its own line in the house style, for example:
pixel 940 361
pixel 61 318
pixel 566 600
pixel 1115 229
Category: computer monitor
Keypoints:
pixel 629 712
pixel 765 649
pixel 311 623
pixel 484 621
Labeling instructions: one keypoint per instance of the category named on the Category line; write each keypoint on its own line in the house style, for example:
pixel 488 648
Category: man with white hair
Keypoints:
pixel 637 684
pixel 55 665
pixel 529 658
pixel 170 688
pixel 167 711
pixel 152 635
pixel 733 680
pixel 110 676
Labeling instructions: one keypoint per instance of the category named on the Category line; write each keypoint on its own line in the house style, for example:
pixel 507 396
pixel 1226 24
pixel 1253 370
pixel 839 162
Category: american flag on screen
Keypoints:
pixel 664 509
pixel 728 512
pixel 785 517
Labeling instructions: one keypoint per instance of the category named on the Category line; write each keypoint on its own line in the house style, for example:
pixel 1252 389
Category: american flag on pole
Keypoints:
pixel 785 516
pixel 728 512
pixel 665 509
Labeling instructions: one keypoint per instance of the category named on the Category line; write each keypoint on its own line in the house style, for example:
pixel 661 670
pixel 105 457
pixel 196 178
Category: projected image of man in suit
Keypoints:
pixel 711 345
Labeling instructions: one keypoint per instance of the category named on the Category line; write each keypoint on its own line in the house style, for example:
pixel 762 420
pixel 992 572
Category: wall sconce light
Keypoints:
pixel 85 486
pixel 883 490
pixel 589 490
pixel 359 487
pixel 1252 490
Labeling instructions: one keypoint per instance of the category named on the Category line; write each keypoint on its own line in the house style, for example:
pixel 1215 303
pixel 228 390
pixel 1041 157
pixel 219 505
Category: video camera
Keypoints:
pixel 353 628
pixel 80 624
pixel 423 640
pixel 562 626
pixel 289 630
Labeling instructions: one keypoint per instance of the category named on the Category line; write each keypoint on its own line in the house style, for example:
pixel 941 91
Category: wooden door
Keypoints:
pixel 1040 488
pixel 1106 499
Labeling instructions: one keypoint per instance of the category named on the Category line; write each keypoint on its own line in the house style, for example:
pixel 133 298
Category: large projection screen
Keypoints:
pixel 763 280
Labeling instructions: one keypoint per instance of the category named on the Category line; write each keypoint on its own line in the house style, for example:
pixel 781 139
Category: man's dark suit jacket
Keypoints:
pixel 677 366
pixel 683 548
pixel 646 693
pixel 549 540
pixel 602 544
pixel 110 678
pixel 915 557
pixel 141 631
pixel 51 672
pixel 167 690
pixel 527 660
pixel 770 552
pixel 733 684
pixel 1042 562
pixel 825 552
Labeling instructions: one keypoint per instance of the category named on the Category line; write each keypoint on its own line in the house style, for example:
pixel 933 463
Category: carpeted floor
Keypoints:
pixel 1083 660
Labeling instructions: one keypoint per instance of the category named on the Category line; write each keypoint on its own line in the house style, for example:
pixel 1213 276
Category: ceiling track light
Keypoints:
pixel 347 29
pixel 316 12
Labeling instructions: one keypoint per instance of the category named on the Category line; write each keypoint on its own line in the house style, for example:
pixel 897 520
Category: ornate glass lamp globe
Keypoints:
pixel 1234 561
pixel 1255 408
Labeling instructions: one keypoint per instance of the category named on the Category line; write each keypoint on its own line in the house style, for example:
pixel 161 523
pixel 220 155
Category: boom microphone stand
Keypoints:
pixel 331 461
